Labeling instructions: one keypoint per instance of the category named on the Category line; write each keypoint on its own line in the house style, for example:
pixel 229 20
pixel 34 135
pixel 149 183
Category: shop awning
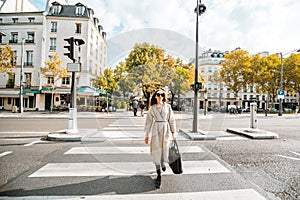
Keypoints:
pixel 56 90
pixel 9 93
pixel 87 91
pixel 30 92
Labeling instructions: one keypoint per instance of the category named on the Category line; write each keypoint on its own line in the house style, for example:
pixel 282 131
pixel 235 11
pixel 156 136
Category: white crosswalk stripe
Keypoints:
pixel 242 194
pixel 107 167
pixel 126 150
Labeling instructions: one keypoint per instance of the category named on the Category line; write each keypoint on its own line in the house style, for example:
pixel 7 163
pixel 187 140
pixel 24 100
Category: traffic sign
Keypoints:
pixel 280 94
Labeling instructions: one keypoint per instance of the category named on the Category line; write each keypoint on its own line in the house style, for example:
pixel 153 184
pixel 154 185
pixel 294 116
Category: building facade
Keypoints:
pixel 37 35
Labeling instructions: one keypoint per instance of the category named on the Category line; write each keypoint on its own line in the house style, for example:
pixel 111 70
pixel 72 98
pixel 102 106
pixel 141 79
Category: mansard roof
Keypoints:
pixel 68 10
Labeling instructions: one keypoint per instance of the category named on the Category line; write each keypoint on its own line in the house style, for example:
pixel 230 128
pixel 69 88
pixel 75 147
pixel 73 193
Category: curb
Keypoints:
pixel 197 136
pixel 253 133
pixel 63 137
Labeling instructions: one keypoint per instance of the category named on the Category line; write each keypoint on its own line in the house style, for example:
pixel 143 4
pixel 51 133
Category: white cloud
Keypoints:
pixel 255 25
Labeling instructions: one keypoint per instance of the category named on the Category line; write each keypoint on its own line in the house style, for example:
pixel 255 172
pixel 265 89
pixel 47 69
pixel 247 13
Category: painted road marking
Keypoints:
pixel 298 154
pixel 288 157
pixel 124 169
pixel 245 194
pixel 32 143
pixel 126 150
pixel 5 153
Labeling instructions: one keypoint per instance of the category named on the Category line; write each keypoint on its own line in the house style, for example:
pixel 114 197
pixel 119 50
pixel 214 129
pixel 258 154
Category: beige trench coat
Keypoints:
pixel 160 125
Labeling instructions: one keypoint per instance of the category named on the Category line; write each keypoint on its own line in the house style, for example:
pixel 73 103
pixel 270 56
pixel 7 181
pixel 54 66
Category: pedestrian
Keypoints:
pixel 142 107
pixel 135 104
pixel 160 123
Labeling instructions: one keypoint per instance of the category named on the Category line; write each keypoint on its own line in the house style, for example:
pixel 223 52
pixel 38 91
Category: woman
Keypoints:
pixel 142 107
pixel 160 122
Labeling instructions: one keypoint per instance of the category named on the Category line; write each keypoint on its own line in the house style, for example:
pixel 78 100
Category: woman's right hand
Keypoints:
pixel 146 138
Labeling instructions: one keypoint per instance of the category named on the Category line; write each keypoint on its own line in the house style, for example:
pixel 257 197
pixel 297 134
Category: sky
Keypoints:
pixel 253 25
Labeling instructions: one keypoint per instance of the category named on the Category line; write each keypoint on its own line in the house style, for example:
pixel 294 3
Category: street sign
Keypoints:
pixel 73 67
pixel 280 94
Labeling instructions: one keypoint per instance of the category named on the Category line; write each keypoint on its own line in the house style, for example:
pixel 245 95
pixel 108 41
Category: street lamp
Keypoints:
pixel 281 92
pixel 200 9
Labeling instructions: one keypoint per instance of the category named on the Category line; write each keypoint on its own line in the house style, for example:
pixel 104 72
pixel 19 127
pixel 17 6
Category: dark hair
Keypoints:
pixel 153 100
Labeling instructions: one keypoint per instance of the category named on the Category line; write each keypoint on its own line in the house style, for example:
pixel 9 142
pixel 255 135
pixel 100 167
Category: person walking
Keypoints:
pixel 135 104
pixel 142 107
pixel 160 123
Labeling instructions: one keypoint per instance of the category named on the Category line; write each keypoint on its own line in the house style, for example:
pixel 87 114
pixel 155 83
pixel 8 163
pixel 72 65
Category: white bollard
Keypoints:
pixel 253 119
pixel 72 128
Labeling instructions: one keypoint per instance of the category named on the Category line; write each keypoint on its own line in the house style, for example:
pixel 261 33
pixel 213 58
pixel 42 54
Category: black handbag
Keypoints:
pixel 175 158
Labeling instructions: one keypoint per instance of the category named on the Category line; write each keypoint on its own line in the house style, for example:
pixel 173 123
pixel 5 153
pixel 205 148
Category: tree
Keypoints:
pixel 54 70
pixel 7 60
pixel 107 81
pixel 291 71
pixel 236 70
pixel 267 75
pixel 150 68
pixel 182 79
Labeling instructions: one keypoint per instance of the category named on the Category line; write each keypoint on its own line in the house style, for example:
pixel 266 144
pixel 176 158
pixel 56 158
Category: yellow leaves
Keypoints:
pixel 54 69
pixel 7 58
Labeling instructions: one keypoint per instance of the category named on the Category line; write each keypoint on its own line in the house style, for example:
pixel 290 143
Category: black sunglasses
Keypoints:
pixel 160 94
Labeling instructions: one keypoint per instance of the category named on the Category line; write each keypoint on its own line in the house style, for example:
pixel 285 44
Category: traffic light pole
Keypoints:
pixel 72 125
pixel 73 67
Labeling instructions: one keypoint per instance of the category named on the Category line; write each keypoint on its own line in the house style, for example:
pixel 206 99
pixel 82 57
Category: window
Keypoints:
pixel 52 43
pixel 53 27
pixel 50 80
pixel 29 58
pixel 14 58
pixel 14 38
pixel 11 81
pixel 31 19
pixel 30 38
pixel 15 20
pixel 78 28
pixel 66 80
pixel 80 10
pixel 27 80
pixel 55 9
pixel 1 101
pixel 92 34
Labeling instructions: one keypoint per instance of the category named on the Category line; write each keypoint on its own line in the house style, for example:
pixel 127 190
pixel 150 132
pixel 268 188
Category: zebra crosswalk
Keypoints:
pixel 114 161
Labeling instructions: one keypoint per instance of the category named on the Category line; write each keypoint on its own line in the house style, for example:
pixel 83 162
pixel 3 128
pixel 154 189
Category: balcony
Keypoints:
pixel 13 41
pixel 28 64
pixel 29 41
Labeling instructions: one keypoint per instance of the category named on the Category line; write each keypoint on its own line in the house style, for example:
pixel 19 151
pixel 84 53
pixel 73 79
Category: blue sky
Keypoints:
pixel 254 25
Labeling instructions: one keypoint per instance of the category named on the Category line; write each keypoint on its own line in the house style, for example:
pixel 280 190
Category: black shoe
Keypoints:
pixel 158 182
pixel 163 168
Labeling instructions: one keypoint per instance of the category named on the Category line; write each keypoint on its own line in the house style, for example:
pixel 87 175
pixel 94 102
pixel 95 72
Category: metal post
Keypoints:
pixel 200 9
pixel 195 116
pixel 21 77
pixel 281 77
pixel 253 118
pixel 72 126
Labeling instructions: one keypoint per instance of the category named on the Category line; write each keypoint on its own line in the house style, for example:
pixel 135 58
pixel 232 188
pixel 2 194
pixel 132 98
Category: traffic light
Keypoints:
pixel 199 86
pixel 70 54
